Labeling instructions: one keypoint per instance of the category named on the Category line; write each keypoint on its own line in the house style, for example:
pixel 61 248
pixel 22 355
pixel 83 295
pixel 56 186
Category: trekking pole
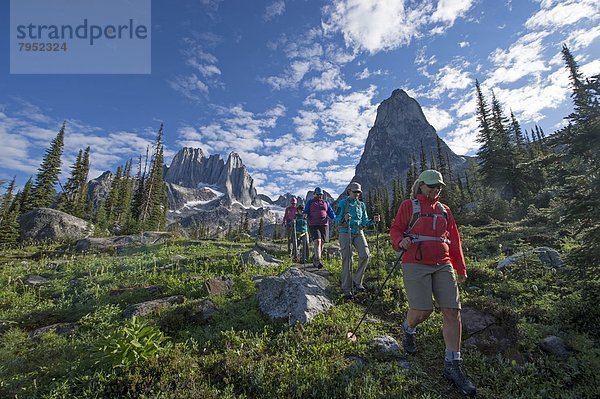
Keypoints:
pixel 376 216
pixel 351 335
pixel 295 246
pixel 350 253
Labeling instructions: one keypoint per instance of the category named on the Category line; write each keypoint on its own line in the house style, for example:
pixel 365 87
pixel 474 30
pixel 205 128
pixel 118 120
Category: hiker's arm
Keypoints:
pixel 456 253
pixel 330 212
pixel 306 207
pixel 338 214
pixel 366 222
pixel 400 224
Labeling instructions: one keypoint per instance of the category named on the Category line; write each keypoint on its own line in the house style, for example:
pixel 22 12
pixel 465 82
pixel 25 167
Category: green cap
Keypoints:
pixel 431 176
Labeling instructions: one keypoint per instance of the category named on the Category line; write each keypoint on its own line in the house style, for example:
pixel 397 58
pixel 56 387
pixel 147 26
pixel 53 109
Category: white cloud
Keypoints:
pixel 591 68
pixel 196 57
pixel 463 139
pixel 274 9
pixel 190 86
pixel 563 14
pixel 448 10
pixel 582 38
pixel 450 78
pixel 438 118
pixel 464 44
pixel 348 116
pixel 329 80
pixel 524 58
pixel 291 77
pixel 236 130
pixel 375 25
pixel 340 176
pixel 365 73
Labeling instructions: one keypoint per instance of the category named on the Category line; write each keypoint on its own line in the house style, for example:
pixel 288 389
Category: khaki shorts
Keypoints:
pixel 420 281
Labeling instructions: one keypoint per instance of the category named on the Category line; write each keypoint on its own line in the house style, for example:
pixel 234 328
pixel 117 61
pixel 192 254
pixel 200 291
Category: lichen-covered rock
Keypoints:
pixel 45 224
pixel 58 328
pixel 548 256
pixel 295 295
pixel 218 286
pixel 144 308
pixel 555 345
pixel 386 344
pixel 257 257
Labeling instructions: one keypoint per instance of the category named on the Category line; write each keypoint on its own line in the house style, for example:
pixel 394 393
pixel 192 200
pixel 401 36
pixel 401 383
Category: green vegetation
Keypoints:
pixel 240 353
pixel 539 193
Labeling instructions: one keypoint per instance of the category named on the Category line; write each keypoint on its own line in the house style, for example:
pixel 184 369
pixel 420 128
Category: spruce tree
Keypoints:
pixel 67 199
pixel 441 164
pixel 484 136
pixel 579 169
pixel 261 228
pixel 423 157
pixel 154 207
pixel 9 214
pixel 26 197
pixel 49 171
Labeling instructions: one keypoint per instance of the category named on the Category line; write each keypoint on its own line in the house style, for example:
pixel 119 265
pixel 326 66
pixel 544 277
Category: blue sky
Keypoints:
pixel 293 85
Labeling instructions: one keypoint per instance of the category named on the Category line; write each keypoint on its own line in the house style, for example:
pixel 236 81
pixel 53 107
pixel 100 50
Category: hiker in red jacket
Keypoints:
pixel 432 264
pixel 288 222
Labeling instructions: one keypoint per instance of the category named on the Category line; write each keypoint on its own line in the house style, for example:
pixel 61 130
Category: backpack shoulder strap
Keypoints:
pixel 416 214
pixel 443 210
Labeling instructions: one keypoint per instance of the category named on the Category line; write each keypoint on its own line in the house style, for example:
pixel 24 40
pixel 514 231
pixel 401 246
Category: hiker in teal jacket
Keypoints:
pixel 352 213
pixel 301 234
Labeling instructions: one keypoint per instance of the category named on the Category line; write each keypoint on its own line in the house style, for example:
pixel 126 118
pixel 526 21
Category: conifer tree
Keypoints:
pixel 100 219
pixel 423 158
pixel 441 164
pixel 49 171
pixel 432 163
pixel 153 211
pixel 579 170
pixel 73 199
pixel 484 136
pixel 261 228
pixel 411 174
pixel 26 197
pixel 9 214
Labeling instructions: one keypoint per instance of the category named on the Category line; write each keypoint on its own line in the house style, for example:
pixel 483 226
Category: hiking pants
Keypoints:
pixel 303 247
pixel 289 232
pixel 360 243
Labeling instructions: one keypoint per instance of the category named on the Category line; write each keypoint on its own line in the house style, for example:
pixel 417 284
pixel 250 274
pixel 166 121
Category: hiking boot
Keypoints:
pixel 348 297
pixel 320 265
pixel 453 371
pixel 409 341
pixel 359 289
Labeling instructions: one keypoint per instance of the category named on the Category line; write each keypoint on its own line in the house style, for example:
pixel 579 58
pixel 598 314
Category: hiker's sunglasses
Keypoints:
pixel 434 185
pixel 356 192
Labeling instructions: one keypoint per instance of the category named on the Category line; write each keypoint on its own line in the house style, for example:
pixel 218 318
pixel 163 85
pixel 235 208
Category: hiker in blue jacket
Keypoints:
pixel 318 212
pixel 352 214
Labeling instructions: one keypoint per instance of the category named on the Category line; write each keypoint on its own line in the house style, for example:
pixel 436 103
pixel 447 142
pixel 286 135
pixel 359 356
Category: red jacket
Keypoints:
pixel 431 252
pixel 289 214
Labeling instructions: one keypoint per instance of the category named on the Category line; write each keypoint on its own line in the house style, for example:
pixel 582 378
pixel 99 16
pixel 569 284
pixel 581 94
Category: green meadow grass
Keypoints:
pixel 241 353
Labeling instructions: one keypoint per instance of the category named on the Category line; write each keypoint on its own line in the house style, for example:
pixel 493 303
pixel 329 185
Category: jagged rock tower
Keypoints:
pixel 400 128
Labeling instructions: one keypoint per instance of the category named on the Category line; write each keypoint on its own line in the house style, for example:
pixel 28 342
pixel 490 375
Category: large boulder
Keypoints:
pixel 548 256
pixel 295 295
pixel 257 257
pixel 121 243
pixel 483 331
pixel 58 328
pixel 45 224
pixel 148 307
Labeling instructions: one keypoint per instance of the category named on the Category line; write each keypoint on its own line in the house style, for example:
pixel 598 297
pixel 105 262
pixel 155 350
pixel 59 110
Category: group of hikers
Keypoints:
pixel 426 238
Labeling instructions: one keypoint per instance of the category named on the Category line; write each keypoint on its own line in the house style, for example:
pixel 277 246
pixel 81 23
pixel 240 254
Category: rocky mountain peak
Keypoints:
pixel 399 131
pixel 191 169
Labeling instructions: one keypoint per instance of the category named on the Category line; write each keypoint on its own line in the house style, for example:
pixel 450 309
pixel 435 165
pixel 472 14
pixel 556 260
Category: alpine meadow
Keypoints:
pixel 364 199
